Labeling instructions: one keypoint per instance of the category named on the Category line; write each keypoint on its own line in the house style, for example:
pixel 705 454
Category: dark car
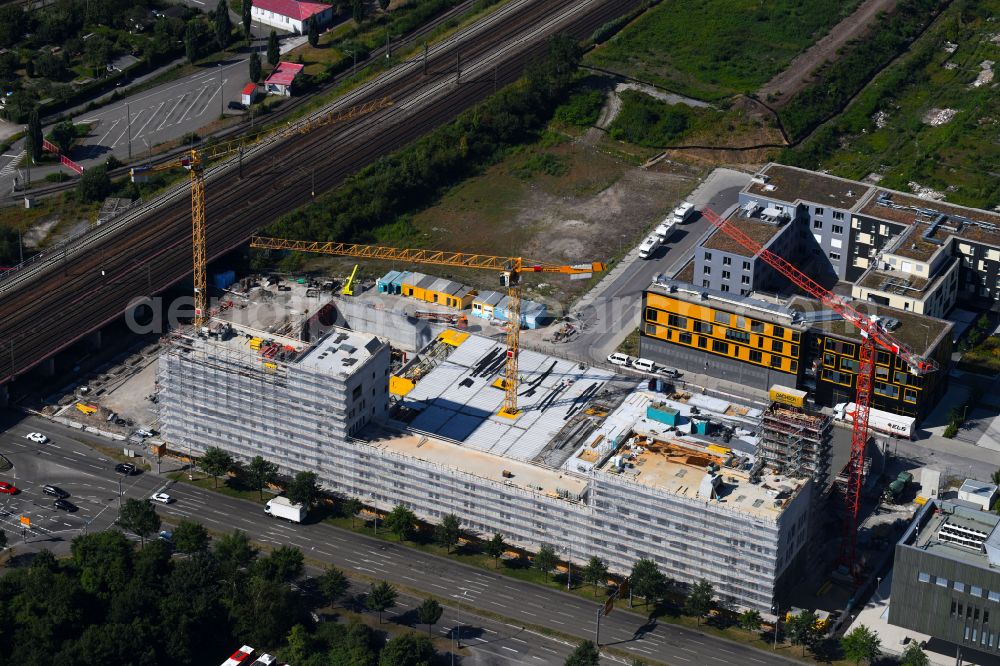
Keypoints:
pixel 237 106
pixel 65 505
pixel 55 492
pixel 125 468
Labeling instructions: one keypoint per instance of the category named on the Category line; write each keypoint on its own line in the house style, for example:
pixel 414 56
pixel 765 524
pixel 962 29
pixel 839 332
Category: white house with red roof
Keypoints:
pixel 291 15
pixel 281 79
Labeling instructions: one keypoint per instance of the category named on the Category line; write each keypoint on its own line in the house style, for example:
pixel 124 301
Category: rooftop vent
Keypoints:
pixel 349 362
pixel 760 178
pixel 850 193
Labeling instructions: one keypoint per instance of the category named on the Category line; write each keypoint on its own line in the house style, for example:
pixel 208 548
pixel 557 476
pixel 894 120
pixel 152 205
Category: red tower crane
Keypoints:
pixel 872 334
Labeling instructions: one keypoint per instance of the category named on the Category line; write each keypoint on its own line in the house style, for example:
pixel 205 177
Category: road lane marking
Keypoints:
pixel 504 647
pixel 171 112
pixel 191 105
pixel 440 587
pixel 110 129
pixel 151 116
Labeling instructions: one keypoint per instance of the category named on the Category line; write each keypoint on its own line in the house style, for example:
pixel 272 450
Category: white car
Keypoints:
pixel 162 498
pixel 648 246
pixel 618 359
pixel 37 437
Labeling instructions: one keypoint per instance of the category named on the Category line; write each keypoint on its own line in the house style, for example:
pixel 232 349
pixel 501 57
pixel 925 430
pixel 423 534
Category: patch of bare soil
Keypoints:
pixel 780 89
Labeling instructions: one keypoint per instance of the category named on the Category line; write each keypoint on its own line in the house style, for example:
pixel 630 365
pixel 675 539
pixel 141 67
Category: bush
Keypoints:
pixel 94 184
pixel 581 109
pixel 546 163
pixel 57 177
pixel 950 431
pixel 646 121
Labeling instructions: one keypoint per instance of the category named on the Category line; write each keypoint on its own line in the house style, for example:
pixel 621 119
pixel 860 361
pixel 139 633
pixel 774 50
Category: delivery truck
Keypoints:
pixel 282 507
pixel 879 421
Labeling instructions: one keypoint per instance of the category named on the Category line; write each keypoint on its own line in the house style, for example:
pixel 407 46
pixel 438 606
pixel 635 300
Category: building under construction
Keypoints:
pixel 794 440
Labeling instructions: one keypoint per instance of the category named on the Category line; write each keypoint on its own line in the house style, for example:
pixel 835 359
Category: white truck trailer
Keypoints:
pixel 884 422
pixel 282 507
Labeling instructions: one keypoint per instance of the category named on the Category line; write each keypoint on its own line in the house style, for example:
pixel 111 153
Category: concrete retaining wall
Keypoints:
pixel 398 328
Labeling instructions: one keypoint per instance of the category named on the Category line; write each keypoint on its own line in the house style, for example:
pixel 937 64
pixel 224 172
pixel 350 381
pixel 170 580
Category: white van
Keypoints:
pixel 648 246
pixel 684 213
pixel 644 364
pixel 618 359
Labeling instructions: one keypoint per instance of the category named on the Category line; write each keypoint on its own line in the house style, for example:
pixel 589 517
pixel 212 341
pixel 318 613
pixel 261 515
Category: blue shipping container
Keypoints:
pixel 224 280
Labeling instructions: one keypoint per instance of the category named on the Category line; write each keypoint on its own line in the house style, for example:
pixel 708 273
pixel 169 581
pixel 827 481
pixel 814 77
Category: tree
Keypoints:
pixel 646 579
pixel 545 560
pixel 749 620
pixel 190 537
pixel 861 644
pixel 215 462
pixel 383 4
pixel 407 649
pixel 234 552
pixel 223 26
pixel 247 18
pixel 585 654
pixel 358 10
pixel 63 135
pixel 446 533
pixel 191 41
pixel 699 599
pixel 352 506
pixel 261 472
pixel 381 597
pixel 802 630
pixel 273 53
pixel 400 521
pixel 283 565
pixel 333 585
pixel 3 540
pixel 495 548
pixel 304 489
pixel 429 612
pixel 35 135
pixel 140 518
pixel 596 572
pixel 914 655
pixel 255 67
pixel 299 646
pixel 313 34
pixel 996 477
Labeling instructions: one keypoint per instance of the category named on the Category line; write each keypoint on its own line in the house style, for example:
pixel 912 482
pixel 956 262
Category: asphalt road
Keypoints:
pixel 89 477
pixel 613 311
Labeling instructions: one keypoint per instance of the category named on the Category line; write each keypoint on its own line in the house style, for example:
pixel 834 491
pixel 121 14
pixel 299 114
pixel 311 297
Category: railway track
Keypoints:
pixel 85 286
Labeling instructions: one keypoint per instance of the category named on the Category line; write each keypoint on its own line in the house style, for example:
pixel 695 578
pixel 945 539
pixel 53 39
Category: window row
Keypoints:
pixel 959 586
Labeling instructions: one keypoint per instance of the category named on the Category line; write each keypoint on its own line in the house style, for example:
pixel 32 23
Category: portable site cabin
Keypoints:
pixel 484 303
pixel 391 282
pixel 413 285
pixel 437 290
pixel 533 314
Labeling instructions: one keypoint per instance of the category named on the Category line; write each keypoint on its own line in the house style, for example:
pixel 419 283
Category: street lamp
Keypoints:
pixel 375 507
pixel 777 621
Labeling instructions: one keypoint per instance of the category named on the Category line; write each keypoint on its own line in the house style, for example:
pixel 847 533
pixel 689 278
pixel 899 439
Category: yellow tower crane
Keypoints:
pixel 194 161
pixel 510 268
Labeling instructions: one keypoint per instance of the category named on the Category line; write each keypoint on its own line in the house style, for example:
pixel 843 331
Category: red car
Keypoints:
pixel 7 488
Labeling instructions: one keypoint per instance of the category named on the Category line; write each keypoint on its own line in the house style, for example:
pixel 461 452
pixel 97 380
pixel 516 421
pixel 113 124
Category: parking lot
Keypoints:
pixel 91 482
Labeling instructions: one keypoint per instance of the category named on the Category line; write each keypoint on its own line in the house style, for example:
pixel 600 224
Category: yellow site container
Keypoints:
pixel 721 450
pixel 400 385
pixel 452 337
pixel 86 409
pixel 255 343
pixel 270 367
pixel 787 396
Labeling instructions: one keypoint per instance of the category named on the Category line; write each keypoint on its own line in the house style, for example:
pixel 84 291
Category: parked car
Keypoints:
pixel 125 468
pixel 684 213
pixel 162 498
pixel 618 359
pixel 55 491
pixel 7 488
pixel 37 437
pixel 644 364
pixel 65 505
pixel 237 106
pixel 166 535
pixel 144 433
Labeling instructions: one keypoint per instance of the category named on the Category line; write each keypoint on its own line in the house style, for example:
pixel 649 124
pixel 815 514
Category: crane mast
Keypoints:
pixel 872 334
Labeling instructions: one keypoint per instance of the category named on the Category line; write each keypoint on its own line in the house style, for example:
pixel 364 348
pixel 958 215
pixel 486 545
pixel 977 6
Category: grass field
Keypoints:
pixel 711 49
pixel 958 158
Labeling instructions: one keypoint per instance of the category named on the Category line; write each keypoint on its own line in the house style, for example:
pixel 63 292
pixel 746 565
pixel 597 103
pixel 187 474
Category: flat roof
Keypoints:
pixel 757 230
pixel 963 518
pixel 919 332
pixel 744 305
pixel 458 401
pixel 527 476
pixel 679 466
pixel 792 184
pixel 340 351
pixel 893 282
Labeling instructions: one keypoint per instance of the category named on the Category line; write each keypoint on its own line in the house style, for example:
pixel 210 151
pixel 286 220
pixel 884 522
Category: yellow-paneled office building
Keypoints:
pixel 757 343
